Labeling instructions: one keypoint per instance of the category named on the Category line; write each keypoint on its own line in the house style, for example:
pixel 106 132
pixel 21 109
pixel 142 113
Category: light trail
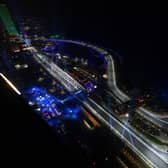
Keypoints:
pixel 116 131
pixel 66 80
pixel 87 125
pixel 153 156
pixel 113 84
pixel 106 115
pixel 10 84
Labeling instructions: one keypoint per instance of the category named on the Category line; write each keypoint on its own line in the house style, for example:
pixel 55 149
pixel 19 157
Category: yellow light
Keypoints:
pixel 27 48
pixel 105 76
pixel 87 125
pixel 10 84
pixel 17 50
pixel 91 118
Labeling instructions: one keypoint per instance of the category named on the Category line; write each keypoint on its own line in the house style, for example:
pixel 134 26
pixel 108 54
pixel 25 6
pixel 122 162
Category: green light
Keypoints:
pixel 7 20
pixel 56 36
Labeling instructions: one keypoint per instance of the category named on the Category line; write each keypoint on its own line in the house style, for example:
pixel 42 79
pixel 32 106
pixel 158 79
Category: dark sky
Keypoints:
pixel 141 38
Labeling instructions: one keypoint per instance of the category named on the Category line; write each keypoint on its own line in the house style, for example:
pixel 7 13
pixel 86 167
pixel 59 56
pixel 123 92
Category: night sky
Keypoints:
pixel 140 38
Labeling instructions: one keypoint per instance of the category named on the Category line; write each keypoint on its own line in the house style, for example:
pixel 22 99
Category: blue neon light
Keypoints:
pixel 90 87
pixel 67 99
pixel 71 112
pixel 50 108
